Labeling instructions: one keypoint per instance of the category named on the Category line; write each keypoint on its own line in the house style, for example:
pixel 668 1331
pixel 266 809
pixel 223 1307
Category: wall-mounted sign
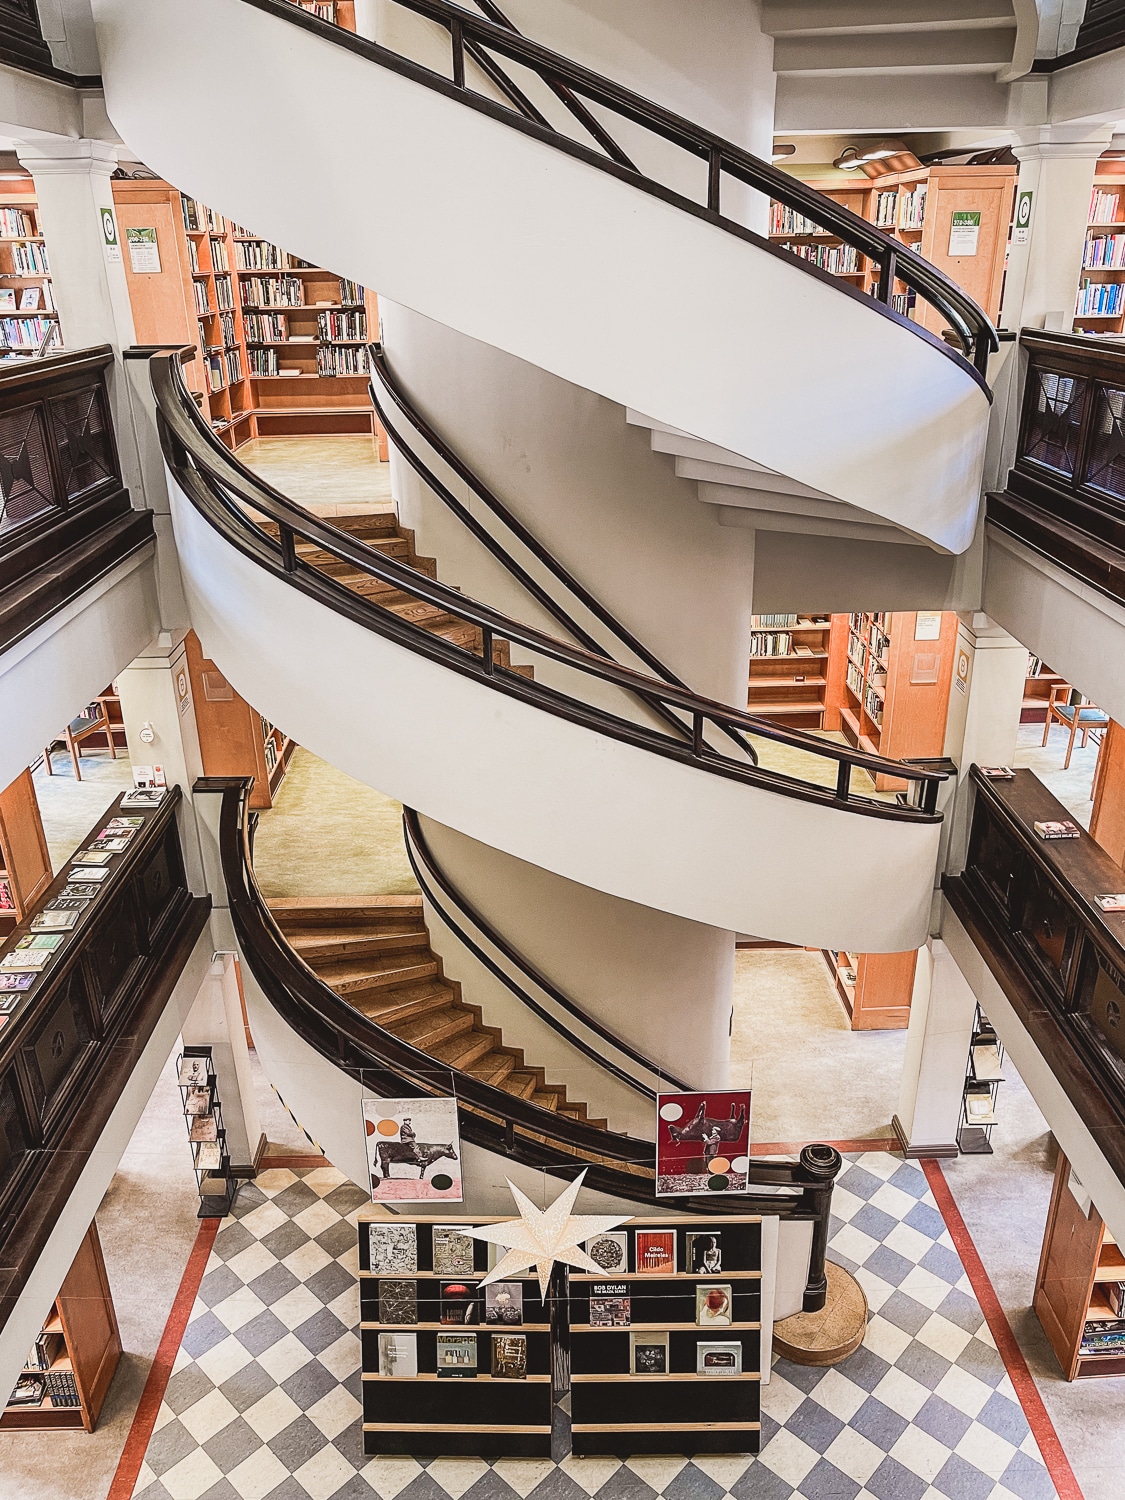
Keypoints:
pixel 109 235
pixel 927 626
pixel 1022 231
pixel 964 232
pixel 144 252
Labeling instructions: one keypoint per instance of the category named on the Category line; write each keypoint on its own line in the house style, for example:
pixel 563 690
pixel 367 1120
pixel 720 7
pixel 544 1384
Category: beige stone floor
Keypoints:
pixel 70 809
pixel 812 1076
pixel 328 835
pixel 815 768
pixel 331 476
pixel 1072 786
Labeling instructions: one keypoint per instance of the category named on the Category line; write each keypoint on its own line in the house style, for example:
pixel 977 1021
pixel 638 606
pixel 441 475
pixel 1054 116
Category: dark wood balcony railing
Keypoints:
pixel 65 515
pixel 1065 495
pixel 70 1043
pixel 1029 906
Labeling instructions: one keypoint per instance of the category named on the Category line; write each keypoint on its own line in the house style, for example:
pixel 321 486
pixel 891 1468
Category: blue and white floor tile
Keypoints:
pixel 264 1399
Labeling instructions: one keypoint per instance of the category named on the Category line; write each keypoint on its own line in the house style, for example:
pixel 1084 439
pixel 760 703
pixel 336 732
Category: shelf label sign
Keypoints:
pixel 964 232
pixel 1022 232
pixel 109 236
pixel 144 252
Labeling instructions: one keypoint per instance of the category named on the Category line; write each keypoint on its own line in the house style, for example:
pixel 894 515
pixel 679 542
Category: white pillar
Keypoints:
pixel 72 185
pixel 216 1021
pixel 942 1013
pixel 156 701
pixel 989 670
pixel 1057 165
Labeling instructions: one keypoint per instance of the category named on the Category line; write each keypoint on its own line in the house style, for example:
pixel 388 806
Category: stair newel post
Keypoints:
pixel 714 178
pixel 929 796
pixel 457 38
pixel 843 779
pixel 819 1167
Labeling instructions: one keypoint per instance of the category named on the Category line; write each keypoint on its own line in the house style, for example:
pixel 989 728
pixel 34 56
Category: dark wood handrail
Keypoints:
pixel 969 322
pixel 221 488
pixel 429 875
pixel 523 535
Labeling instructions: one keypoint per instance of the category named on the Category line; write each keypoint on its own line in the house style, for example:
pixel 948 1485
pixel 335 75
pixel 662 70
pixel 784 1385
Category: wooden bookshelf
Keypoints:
pixel 1079 1260
pixel 1103 255
pixel 234 739
pixel 266 324
pixel 874 988
pixel 80 1343
pixel 789 668
pixel 25 269
pixel 25 864
pixel 1037 691
pixel 916 207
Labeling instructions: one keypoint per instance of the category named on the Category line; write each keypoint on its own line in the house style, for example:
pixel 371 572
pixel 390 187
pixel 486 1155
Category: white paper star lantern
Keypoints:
pixel 540 1237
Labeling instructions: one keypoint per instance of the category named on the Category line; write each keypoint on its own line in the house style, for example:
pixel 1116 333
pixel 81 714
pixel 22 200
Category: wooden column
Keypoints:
pixel 1107 823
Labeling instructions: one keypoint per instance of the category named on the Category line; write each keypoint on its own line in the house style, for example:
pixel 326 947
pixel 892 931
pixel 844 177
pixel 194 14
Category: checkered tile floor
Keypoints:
pixel 263 1403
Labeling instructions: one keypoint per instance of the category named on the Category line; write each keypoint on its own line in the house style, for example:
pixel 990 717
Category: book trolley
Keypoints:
pixel 664 1347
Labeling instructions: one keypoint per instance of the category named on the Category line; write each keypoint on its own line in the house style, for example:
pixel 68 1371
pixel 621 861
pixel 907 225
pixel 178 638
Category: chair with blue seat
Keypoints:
pixel 1075 713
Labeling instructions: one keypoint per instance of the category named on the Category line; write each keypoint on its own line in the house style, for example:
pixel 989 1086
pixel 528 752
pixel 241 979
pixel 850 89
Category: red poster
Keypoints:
pixel 703 1143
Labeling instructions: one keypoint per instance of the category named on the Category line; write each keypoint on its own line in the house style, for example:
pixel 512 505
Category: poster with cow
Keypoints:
pixel 703 1143
pixel 413 1150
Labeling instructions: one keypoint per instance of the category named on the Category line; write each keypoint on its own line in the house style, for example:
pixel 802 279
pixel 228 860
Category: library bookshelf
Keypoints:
pixel 789 668
pixel 1080 1269
pixel 234 739
pixel 874 988
pixel 25 272
pixel 1100 304
pixel 25 864
pixel 916 207
pixel 281 344
pixel 76 1352
pixel 1037 691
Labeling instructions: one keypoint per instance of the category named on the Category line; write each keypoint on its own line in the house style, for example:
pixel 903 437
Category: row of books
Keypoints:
pixel 1105 207
pixel 233 359
pixel 457 1356
pixel 1105 250
pixel 226 323
pixel 772 622
pixel 15 222
pixel 855 679
pixel 904 302
pixel 886 209
pixel 351 293
pixel 912 207
pixel 199 292
pixel 786 220
pixel 219 255
pixel 32 298
pixel 341 359
pixel 1100 299
pixel 198 217
pixel 262 361
pixel 24 333
pixel 770 643
pixel 838 260
pixel 30 260
pixel 342 325
pixel 272 291
pixel 873 703
pixel 224 292
pixel 265 328
pixel 193 256
pixel 1103 1337
pixel 259 255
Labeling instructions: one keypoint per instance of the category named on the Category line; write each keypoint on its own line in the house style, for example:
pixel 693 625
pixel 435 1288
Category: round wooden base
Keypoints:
pixel 829 1336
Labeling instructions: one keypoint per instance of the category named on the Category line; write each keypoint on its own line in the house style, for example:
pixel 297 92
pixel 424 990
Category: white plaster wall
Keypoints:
pixel 1066 622
pixel 663 985
pixel 490 232
pixel 30 1311
pixel 48 677
pixel 591 808
pixel 591 489
pixel 1078 1144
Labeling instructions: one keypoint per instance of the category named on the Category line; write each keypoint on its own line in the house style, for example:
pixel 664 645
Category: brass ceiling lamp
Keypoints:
pixel 878 160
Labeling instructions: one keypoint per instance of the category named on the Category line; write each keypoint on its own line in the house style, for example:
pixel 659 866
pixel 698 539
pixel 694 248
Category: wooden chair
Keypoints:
pixel 94 721
pixel 1078 717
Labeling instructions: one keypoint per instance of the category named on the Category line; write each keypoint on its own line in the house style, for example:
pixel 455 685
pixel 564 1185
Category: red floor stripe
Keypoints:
pixel 148 1408
pixel 1038 1418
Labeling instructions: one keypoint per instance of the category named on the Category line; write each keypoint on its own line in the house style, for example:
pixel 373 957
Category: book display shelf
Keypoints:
pixel 1037 690
pixel 916 207
pixel 203 1115
pixel 666 1356
pixel 1100 305
pixel 1080 1285
pixel 234 739
pixel 27 303
pixel 282 343
pixel 789 668
pixel 70 1365
pixel 983 1077
pixel 25 864
pixel 449 1368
